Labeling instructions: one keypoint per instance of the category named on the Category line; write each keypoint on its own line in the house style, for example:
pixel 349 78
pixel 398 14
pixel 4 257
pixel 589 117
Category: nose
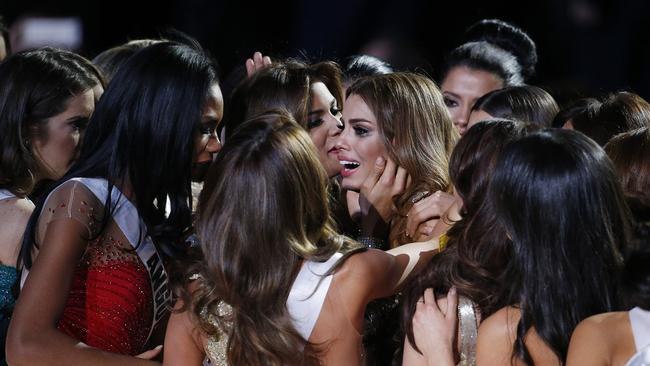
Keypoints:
pixel 342 142
pixel 214 145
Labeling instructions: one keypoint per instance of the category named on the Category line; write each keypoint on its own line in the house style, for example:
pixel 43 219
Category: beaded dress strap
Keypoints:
pixel 468 327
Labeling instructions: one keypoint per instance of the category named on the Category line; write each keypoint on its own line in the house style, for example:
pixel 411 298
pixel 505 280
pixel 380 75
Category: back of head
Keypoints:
pixel 630 153
pixel 111 59
pixel 36 85
pixel 497 47
pixel 415 128
pixel 557 197
pixel 283 85
pixel 573 109
pixel 359 66
pixel 524 103
pixel 618 113
pixel 264 209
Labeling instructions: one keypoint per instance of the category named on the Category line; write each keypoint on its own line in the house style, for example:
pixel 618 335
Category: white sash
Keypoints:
pixel 5 194
pixel 308 294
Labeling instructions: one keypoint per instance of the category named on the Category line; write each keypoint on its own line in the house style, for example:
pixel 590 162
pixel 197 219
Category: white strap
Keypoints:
pixel 308 294
pixel 5 194
pixel 640 321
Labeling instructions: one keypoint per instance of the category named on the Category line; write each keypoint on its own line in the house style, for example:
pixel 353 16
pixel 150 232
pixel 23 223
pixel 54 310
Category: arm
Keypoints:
pixel 183 342
pixel 33 338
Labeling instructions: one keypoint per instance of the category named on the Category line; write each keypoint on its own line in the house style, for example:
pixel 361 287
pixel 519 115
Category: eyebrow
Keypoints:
pixel 357 120
pixel 452 94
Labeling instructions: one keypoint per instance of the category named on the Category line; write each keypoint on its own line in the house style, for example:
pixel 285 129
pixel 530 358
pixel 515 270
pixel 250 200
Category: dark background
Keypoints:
pixel 585 47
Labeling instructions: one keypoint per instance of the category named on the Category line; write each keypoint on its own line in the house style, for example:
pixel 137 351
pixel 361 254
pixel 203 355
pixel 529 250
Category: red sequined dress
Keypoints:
pixel 119 291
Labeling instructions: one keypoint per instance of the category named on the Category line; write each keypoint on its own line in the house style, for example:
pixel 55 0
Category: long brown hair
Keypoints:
pixel 285 85
pixel 416 130
pixel 262 212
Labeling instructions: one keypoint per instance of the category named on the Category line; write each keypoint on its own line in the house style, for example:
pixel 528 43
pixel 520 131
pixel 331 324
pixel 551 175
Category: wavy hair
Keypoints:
pixel 283 85
pixel 478 250
pixel 36 85
pixel 262 212
pixel 557 197
pixel 416 131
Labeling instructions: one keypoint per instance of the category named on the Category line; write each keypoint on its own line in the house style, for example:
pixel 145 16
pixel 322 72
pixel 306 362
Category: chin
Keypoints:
pixel 199 170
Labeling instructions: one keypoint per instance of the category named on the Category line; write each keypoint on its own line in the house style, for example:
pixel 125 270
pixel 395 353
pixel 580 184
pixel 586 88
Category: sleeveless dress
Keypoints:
pixel 640 322
pixel 304 304
pixel 8 276
pixel 119 291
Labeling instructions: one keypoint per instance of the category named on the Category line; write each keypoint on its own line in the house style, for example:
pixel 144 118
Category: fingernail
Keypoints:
pixel 452 290
pixel 379 160
pixel 159 346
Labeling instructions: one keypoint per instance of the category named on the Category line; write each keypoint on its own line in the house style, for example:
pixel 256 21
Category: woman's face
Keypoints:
pixel 462 87
pixel 478 116
pixel 360 143
pixel 206 140
pixel 324 126
pixel 58 146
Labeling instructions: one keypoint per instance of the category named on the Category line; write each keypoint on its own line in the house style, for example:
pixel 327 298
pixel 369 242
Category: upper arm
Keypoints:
pixel 14 215
pixel 183 342
pixel 495 339
pixel 588 345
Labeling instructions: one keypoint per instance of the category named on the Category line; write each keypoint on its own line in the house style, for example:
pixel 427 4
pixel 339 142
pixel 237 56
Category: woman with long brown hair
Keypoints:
pixel 278 286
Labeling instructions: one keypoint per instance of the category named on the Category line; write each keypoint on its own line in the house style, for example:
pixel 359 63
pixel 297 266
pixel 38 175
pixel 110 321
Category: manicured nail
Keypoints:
pixel 379 161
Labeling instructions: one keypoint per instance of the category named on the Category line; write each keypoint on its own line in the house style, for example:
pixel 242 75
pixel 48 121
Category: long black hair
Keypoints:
pixel 557 196
pixel 142 134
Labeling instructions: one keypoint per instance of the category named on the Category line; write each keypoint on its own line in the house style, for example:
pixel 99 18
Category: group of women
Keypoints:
pixel 344 217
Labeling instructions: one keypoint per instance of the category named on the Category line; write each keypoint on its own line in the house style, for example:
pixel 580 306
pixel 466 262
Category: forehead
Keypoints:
pixel 464 81
pixel 357 108
pixel 320 93
pixel 214 101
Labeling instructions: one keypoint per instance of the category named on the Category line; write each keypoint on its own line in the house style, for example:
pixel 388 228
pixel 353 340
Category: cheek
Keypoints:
pixel 318 136
pixel 370 150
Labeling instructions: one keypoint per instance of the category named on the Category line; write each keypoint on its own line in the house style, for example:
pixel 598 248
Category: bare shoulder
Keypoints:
pixel 14 215
pixel 496 335
pixel 602 339
pixel 364 264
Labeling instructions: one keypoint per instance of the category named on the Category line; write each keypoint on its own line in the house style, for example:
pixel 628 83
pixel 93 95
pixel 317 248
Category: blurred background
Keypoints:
pixel 585 47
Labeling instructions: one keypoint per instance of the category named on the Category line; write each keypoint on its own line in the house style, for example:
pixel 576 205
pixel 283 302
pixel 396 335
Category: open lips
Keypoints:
pixel 348 167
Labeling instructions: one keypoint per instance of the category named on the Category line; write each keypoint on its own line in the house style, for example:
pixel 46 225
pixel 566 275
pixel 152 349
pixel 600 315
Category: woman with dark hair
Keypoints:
pixel 565 116
pixel 611 339
pixel 278 285
pixel 97 292
pixel 46 100
pixel 524 103
pixel 111 59
pixel 617 113
pixel 495 55
pixel 477 251
pixel 557 197
pixel 630 153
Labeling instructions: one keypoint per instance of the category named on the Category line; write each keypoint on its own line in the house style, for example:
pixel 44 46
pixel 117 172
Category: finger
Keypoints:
pixel 400 181
pixel 259 60
pixel 452 303
pixel 150 354
pixel 375 174
pixel 408 181
pixel 250 67
pixel 389 172
pixel 266 61
pixel 429 298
